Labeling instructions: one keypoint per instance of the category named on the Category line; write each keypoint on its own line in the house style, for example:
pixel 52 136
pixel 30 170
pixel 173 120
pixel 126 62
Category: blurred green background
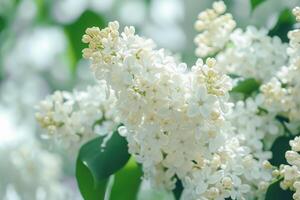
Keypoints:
pixel 40 50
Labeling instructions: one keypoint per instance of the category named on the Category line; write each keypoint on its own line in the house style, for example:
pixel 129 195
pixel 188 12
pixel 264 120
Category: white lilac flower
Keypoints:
pixel 296 12
pixel 287 87
pixel 255 127
pixel 25 73
pixel 153 93
pixel 156 98
pixel 291 171
pixel 45 48
pixel 282 93
pixel 230 174
pixel 28 171
pixel 215 27
pixel 73 118
pixel 253 54
pixel 276 98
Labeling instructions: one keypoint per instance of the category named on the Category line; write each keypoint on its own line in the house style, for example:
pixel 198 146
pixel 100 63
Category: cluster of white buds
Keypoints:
pixel 296 12
pixel 73 118
pixel 291 172
pixel 175 120
pixel 275 96
pixel 215 28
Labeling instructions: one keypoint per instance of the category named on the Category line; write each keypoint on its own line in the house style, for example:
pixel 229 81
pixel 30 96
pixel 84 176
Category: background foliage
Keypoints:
pixel 169 22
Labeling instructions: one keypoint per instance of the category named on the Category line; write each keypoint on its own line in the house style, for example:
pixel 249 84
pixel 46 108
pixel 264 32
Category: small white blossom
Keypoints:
pixel 253 54
pixel 74 118
pixel 296 12
pixel 256 128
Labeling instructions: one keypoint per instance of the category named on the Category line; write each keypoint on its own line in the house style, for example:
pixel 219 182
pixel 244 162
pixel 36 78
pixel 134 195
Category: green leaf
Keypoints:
pixel 98 163
pixel 148 2
pixel 178 189
pixel 255 3
pixel 88 188
pixel 71 56
pixel 285 23
pixel 275 192
pixel 127 182
pixel 2 23
pixel 8 8
pixel 246 87
pixel 279 147
pixel 43 15
pixel 76 30
pixel 2 26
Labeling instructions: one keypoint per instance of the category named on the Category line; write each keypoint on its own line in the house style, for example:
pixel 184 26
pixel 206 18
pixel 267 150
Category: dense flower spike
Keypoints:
pixel 74 118
pixel 179 122
pixel 215 28
pixel 282 96
pixel 175 119
pixel 153 93
pixel 282 93
pixel 253 54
